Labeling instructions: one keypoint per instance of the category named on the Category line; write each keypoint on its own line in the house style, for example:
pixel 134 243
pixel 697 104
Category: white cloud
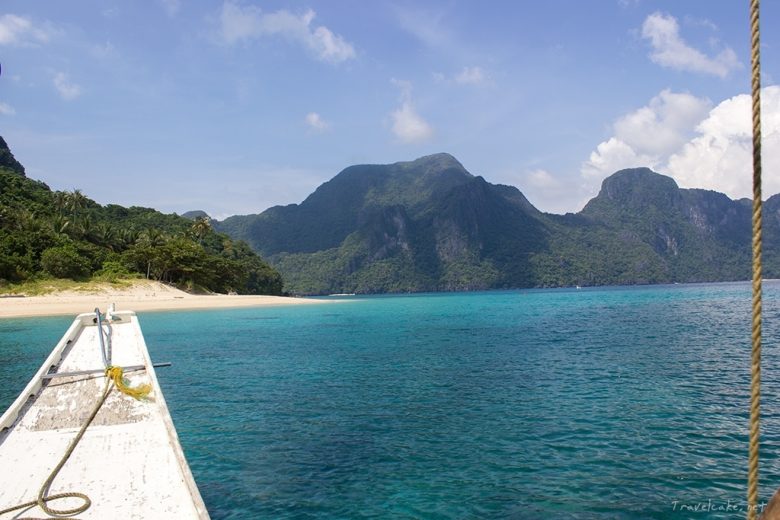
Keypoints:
pixel 701 22
pixel 171 7
pixel 664 125
pixel 18 30
pixel 426 25
pixel 542 179
pixel 66 88
pixel 471 76
pixel 244 23
pixel 467 76
pixel 408 125
pixel 700 147
pixel 546 190
pixel 671 50
pixel 239 23
pixel 649 135
pixel 316 123
pixel 6 109
pixel 610 156
pixel 720 157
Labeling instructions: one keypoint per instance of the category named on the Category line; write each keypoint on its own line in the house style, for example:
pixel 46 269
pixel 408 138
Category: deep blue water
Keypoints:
pixel 593 403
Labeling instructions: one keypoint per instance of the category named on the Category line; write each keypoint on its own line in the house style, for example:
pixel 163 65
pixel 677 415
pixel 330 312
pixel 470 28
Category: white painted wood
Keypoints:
pixel 129 462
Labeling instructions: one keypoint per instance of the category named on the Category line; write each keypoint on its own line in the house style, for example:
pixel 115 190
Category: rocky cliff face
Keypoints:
pixel 700 235
pixel 431 225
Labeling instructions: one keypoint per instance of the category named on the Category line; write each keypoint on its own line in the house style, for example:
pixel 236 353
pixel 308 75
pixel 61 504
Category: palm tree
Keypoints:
pixel 200 228
pixel 24 220
pixel 128 237
pixel 105 235
pixel 60 200
pixel 76 201
pixel 59 224
pixel 84 226
pixel 151 237
pixel 147 241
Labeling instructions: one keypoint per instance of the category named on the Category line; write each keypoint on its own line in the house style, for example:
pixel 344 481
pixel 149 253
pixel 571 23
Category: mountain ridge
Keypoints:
pixel 430 225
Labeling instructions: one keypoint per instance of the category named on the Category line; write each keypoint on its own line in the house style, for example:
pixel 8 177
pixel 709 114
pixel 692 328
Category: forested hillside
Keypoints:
pixel 56 234
pixel 430 225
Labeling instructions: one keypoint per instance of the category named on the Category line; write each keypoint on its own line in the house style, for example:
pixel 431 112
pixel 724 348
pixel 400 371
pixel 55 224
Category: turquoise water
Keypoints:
pixel 593 403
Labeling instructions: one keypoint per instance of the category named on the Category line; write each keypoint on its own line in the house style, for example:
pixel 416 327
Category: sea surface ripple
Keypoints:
pixel 627 402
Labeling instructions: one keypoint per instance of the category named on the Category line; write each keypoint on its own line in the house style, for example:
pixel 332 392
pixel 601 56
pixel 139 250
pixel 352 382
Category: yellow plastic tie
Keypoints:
pixel 123 385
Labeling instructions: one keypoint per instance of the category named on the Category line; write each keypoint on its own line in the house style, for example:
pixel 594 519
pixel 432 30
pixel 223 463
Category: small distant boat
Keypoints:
pixel 125 463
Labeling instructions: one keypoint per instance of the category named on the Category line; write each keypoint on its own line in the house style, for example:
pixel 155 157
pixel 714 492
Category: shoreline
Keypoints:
pixel 143 296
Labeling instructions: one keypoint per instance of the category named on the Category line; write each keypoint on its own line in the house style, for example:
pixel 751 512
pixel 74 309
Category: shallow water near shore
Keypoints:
pixel 628 402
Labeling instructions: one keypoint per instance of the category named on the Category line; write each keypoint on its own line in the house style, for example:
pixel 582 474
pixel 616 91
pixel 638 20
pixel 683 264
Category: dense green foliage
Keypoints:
pixel 429 225
pixel 64 262
pixel 67 235
pixel 7 159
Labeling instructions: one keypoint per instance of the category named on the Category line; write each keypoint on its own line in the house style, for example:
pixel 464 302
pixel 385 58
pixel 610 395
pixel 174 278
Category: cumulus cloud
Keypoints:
pixel 649 135
pixel 720 157
pixel 66 88
pixel 244 23
pixel 664 124
pixel 471 76
pixel 408 125
pixel 671 50
pixel 316 123
pixel 613 155
pixel 699 146
pixel 6 109
pixel 20 31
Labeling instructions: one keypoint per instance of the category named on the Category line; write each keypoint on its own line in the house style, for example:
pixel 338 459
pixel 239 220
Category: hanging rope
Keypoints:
pixel 755 368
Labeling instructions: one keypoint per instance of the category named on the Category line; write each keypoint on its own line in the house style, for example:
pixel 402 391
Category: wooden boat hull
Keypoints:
pixel 129 462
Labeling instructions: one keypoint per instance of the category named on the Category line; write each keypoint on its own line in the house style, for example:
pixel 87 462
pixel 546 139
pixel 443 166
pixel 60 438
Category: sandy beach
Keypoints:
pixel 141 296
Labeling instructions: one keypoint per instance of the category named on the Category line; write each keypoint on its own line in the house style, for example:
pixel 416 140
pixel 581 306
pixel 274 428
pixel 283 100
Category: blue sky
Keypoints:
pixel 236 106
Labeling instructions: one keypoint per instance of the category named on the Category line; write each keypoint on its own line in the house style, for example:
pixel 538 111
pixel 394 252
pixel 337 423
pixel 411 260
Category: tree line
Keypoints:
pixel 65 234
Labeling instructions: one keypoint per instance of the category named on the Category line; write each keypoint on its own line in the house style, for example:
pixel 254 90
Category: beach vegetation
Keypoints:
pixel 65 262
pixel 48 235
pixel 42 285
pixel 113 270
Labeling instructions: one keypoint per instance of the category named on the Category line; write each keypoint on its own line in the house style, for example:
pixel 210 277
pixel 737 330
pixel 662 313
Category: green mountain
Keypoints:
pixel 54 234
pixel 429 225
pixel 195 215
pixel 7 159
